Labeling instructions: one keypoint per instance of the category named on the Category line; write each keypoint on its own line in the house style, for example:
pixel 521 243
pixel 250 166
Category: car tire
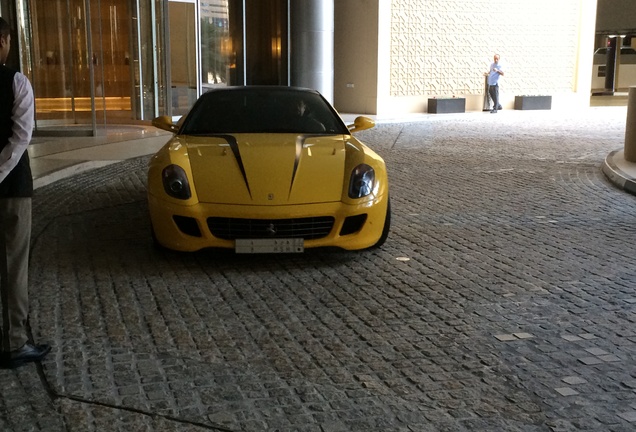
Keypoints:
pixel 155 243
pixel 385 229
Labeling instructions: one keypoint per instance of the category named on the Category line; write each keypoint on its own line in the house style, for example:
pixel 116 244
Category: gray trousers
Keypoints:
pixel 494 95
pixel 15 237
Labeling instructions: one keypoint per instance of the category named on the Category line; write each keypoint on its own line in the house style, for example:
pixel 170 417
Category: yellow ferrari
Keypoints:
pixel 266 170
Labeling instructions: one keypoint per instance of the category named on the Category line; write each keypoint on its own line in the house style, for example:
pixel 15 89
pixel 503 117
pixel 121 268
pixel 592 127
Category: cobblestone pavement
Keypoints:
pixel 504 300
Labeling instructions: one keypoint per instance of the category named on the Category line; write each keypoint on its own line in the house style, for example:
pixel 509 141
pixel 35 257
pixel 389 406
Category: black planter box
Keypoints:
pixel 446 105
pixel 533 102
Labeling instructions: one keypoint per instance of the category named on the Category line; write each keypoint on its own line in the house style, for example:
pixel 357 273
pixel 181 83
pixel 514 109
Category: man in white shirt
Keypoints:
pixel 16 190
pixel 493 83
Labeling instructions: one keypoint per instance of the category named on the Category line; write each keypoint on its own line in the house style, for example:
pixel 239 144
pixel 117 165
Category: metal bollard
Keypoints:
pixel 630 127
pixel 486 95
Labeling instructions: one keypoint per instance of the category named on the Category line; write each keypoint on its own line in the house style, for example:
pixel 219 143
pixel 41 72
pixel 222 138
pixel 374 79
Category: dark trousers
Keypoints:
pixel 15 236
pixel 493 90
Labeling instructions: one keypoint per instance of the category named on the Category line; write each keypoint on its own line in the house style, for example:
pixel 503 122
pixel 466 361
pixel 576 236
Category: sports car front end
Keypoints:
pixel 268 192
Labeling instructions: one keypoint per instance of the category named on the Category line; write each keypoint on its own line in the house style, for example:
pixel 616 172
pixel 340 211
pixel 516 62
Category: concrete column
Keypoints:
pixel 630 127
pixel 311 44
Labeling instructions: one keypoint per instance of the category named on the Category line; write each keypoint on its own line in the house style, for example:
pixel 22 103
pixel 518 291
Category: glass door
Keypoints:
pixel 84 60
pixel 217 58
pixel 149 59
pixel 258 46
pixel 266 25
pixel 61 62
pixel 111 38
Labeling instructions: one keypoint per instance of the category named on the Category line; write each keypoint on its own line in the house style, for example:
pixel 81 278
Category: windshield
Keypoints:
pixel 262 110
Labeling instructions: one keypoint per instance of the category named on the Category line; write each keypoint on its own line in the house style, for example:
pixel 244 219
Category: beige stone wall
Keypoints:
pixel 441 48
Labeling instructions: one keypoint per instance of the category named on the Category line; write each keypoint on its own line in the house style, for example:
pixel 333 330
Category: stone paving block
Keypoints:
pixel 630 416
pixel 610 358
pixel 596 351
pixel 505 337
pixel 566 391
pixel 590 360
pixel 574 380
pixel 523 335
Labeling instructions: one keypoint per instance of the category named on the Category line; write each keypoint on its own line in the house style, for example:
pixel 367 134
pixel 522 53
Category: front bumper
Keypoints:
pixel 186 228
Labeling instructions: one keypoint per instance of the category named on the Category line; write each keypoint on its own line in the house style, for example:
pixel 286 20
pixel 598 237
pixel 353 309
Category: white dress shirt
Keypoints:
pixel 22 125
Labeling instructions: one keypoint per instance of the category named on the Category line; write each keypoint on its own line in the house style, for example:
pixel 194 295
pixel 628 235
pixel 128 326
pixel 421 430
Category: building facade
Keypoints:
pixel 99 62
pixel 412 50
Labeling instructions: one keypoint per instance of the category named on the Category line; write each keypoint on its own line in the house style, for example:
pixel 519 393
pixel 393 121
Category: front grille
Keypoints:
pixel 306 228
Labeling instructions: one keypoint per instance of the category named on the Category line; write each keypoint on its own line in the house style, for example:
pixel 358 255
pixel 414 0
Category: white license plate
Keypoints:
pixel 291 245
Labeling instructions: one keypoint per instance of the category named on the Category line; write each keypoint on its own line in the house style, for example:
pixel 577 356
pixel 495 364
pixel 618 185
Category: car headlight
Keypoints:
pixel 175 182
pixel 361 183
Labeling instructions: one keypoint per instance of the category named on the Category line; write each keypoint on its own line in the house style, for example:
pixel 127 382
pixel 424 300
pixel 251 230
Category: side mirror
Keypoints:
pixel 361 123
pixel 165 122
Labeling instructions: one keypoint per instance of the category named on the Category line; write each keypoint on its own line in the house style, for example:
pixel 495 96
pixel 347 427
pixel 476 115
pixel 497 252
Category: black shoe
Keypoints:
pixel 28 353
pixel 493 111
pixel 499 107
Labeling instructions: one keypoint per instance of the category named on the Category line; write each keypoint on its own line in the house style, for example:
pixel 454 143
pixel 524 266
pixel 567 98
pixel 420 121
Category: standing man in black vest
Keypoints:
pixel 16 190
